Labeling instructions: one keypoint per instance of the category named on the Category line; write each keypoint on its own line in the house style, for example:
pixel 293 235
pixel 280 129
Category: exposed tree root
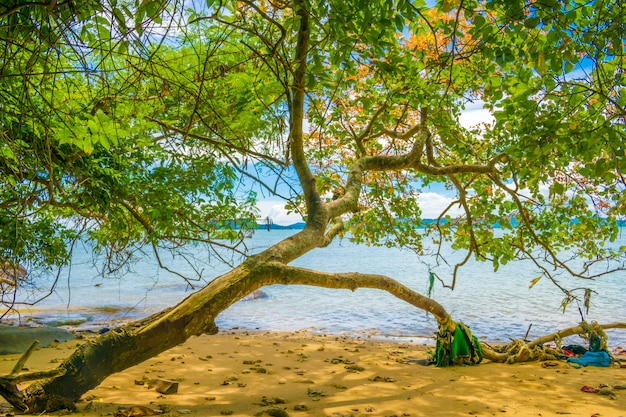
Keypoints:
pixel 522 351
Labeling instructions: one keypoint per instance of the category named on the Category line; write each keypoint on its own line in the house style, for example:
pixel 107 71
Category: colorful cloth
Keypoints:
pixel 460 347
pixel 600 358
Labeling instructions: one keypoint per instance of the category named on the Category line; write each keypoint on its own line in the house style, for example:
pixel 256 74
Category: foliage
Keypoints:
pixel 82 156
pixel 556 142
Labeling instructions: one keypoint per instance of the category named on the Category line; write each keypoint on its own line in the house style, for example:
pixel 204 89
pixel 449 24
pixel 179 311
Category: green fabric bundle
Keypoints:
pixel 460 347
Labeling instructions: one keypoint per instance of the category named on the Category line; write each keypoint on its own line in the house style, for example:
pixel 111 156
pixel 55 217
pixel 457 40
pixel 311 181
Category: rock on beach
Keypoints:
pixel 14 339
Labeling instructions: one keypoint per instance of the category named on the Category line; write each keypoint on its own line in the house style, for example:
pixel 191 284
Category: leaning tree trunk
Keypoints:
pixel 136 342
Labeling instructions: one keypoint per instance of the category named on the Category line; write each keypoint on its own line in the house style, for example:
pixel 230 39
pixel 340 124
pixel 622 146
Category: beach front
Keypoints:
pixel 241 373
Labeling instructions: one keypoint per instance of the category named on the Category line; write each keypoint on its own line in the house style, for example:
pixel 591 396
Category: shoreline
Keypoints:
pixel 243 373
pixel 80 320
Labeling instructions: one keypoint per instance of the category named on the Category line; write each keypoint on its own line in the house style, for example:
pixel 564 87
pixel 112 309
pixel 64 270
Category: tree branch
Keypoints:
pixel 570 331
pixel 297 114
pixel 278 273
pixel 281 28
pixel 555 260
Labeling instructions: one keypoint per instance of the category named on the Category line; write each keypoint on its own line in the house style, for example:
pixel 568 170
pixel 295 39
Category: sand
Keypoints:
pixel 240 373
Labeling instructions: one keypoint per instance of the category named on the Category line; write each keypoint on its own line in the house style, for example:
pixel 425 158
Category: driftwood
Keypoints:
pixel 513 356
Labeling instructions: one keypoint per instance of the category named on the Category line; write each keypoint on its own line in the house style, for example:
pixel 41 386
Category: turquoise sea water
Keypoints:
pixel 496 306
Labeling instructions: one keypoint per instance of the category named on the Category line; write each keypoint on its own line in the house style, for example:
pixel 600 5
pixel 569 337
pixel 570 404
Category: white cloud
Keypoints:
pixel 432 204
pixel 275 210
pixel 475 115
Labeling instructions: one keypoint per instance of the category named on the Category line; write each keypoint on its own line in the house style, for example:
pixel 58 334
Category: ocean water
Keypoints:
pixel 497 306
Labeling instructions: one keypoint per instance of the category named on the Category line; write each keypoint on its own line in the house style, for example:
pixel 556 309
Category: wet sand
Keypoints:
pixel 240 373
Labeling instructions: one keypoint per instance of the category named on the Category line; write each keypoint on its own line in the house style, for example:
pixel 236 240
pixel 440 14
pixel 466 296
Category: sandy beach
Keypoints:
pixel 241 373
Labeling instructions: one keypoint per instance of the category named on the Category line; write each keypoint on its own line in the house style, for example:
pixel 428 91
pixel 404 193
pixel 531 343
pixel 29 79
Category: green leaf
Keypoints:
pixel 447 5
pixel 531 22
pixel 558 188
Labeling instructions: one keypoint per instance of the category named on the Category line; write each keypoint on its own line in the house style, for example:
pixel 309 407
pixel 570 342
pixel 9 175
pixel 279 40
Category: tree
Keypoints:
pixel 130 124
